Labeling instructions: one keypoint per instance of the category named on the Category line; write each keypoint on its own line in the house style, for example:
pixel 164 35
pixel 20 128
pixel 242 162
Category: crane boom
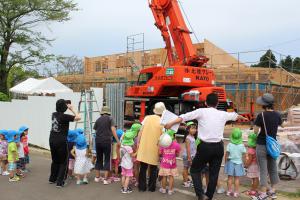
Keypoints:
pixel 169 20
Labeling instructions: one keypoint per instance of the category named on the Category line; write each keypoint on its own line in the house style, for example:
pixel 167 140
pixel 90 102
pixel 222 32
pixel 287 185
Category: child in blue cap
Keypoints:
pixel 12 155
pixel 71 138
pixel 3 153
pixel 21 161
pixel 83 164
pixel 116 156
pixel 24 140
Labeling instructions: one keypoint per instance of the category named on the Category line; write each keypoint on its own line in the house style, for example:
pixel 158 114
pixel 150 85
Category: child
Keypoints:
pixel 234 167
pixel 116 157
pixel 21 161
pixel 71 138
pixel 189 152
pixel 127 154
pixel 135 128
pixel 12 155
pixel 3 153
pixel 168 168
pixel 251 164
pixel 83 164
pixel 24 140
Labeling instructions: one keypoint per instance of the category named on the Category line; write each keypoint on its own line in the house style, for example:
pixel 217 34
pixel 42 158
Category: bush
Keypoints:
pixel 3 97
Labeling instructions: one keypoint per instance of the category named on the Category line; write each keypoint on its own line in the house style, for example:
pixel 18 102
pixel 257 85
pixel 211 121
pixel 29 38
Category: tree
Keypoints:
pixel 20 41
pixel 268 59
pixel 18 74
pixel 287 63
pixel 72 64
pixel 296 65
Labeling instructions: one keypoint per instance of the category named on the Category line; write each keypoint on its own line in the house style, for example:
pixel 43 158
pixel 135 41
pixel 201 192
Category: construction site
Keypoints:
pixel 166 103
pixel 241 82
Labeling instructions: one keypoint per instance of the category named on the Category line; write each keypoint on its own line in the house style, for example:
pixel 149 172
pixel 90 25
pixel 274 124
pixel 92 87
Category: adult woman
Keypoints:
pixel 58 141
pixel 270 120
pixel 147 153
pixel 105 129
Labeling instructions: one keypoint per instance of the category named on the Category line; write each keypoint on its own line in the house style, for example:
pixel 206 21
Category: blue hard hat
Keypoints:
pixel 4 132
pixel 10 135
pixel 72 135
pixel 81 142
pixel 119 132
pixel 23 128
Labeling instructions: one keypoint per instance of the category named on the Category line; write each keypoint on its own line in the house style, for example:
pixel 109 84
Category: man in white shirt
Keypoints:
pixel 211 124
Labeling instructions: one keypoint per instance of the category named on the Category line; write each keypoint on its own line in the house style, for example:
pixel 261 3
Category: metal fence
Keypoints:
pixel 114 98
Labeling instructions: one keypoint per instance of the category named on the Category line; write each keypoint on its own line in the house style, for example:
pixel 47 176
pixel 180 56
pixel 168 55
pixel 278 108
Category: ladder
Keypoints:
pixel 87 106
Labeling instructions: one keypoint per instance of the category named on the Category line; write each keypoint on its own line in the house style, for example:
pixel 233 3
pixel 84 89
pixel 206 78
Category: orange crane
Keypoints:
pixel 185 83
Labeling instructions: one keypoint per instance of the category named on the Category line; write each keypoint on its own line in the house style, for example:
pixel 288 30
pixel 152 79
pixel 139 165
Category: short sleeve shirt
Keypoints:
pixel 126 159
pixel 12 152
pixel 168 160
pixel 211 122
pixel 103 129
pixel 193 147
pixel 3 148
pixel 236 152
pixel 272 121
pixel 60 126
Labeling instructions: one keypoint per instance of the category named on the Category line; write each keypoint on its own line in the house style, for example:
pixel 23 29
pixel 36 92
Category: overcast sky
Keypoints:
pixel 101 27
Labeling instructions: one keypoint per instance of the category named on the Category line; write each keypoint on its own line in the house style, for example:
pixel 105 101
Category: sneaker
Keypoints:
pixel 14 179
pixel 115 179
pixel 25 170
pixel 20 175
pixel 228 193
pixel 129 190
pixel 106 182
pixel 79 182
pixel 52 182
pixel 162 190
pixel 251 193
pixel 272 194
pixel 170 192
pixel 5 173
pixel 98 179
pixel 125 191
pixel 262 196
pixel 186 184
pixel 236 195
pixel 61 185
pixel 85 181
pixel 220 190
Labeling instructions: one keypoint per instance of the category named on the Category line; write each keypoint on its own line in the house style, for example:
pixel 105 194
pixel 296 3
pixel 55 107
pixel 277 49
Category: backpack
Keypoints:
pixel 272 145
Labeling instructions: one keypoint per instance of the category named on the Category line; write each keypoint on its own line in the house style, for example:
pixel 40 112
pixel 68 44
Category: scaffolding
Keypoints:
pixel 135 43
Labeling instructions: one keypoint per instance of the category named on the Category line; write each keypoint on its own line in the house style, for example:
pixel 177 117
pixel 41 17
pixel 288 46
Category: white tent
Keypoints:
pixel 45 86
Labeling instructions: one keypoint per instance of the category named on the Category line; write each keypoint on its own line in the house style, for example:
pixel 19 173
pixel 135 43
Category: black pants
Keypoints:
pixel 103 150
pixel 59 154
pixel 211 154
pixel 143 178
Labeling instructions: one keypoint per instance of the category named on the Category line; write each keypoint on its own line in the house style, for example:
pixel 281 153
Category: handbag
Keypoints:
pixel 272 145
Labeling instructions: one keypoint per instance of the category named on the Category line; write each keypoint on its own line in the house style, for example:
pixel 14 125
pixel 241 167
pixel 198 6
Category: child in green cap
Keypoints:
pixel 168 167
pixel 234 166
pixel 251 164
pixel 127 154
